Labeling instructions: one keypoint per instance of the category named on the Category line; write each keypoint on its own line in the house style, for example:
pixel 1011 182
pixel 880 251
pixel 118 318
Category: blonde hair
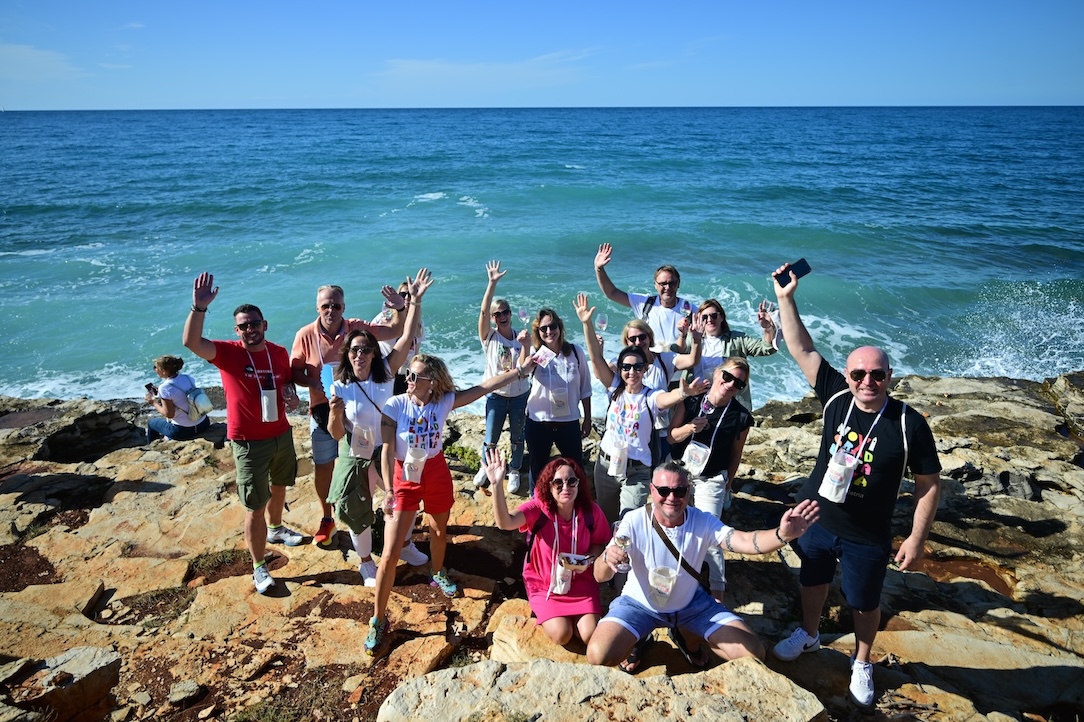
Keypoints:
pixel 172 365
pixel 440 379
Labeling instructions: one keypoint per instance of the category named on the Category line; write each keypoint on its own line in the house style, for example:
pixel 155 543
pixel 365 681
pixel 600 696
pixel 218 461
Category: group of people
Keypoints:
pixel 675 428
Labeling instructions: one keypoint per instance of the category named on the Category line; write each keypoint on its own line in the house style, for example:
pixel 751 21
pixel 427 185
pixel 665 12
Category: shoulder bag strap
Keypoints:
pixel 669 545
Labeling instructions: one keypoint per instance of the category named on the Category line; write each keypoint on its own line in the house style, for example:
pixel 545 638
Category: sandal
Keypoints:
pixel 697 659
pixel 631 665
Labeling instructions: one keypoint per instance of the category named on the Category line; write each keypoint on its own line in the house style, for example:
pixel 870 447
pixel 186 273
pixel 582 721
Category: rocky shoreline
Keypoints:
pixel 123 596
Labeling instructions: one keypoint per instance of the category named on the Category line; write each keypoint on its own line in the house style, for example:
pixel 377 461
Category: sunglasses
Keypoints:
pixel 679 492
pixel 666 283
pixel 729 378
pixel 562 483
pixel 633 340
pixel 638 367
pixel 877 375
pixel 412 378
pixel 710 316
pixel 331 307
pixel 549 327
pixel 502 314
pixel 361 350
pixel 249 324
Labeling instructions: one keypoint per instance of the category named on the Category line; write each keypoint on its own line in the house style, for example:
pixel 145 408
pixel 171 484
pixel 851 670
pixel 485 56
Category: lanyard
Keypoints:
pixel 270 370
pixel 847 418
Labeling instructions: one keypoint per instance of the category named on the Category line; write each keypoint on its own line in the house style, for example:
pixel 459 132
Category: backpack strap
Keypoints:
pixel 648 305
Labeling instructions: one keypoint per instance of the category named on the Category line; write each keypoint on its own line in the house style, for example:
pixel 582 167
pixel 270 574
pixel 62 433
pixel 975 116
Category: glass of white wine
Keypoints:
pixel 622 541
pixel 523 316
pixel 601 321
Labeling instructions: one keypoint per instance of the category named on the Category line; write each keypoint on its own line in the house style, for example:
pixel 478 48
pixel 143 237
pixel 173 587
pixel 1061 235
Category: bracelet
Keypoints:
pixel 520 372
pixel 780 537
pixel 755 545
pixel 726 539
pixel 197 309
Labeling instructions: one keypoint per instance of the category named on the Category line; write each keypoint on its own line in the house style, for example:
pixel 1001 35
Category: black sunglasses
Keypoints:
pixel 679 492
pixel 877 375
pixel 561 483
pixel 730 378
pixel 249 324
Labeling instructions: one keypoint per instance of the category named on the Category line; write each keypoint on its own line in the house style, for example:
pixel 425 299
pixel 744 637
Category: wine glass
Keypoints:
pixel 601 321
pixel 622 541
pixel 523 316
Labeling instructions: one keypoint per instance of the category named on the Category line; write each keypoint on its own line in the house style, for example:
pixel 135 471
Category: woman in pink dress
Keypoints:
pixel 561 518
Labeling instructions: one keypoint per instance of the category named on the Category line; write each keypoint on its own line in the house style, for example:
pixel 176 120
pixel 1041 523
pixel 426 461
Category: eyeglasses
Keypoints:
pixel 679 492
pixel 249 324
pixel 502 314
pixel 637 367
pixel 638 338
pixel 729 378
pixel 548 328
pixel 666 283
pixel 412 378
pixel 710 316
pixel 877 375
pixel 361 350
pixel 563 483
pixel 331 307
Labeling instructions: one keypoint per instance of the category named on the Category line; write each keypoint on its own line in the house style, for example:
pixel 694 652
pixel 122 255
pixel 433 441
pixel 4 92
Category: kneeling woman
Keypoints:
pixel 413 455
pixel 561 518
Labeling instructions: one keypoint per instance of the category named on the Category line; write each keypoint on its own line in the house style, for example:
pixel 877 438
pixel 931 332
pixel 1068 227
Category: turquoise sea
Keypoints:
pixel 953 237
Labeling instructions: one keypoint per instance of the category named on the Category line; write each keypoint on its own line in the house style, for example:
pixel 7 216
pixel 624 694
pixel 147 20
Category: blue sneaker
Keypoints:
pixel 377 627
pixel 446 585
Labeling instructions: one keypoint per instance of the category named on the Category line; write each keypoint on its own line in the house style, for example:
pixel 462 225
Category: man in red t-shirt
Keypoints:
pixel 258 382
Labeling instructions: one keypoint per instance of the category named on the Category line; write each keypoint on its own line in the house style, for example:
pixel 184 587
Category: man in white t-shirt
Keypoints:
pixel 664 311
pixel 667 543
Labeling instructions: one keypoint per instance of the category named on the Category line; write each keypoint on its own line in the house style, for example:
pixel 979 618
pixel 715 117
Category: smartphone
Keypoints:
pixel 151 389
pixel 799 268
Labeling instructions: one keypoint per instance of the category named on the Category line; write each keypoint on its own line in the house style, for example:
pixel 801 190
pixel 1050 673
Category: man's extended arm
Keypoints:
pixel 927 494
pixel 203 293
pixel 799 342
pixel 612 292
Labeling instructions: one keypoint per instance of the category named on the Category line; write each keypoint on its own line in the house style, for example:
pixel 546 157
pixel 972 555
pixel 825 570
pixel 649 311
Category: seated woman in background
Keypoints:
pixel 560 519
pixel 171 400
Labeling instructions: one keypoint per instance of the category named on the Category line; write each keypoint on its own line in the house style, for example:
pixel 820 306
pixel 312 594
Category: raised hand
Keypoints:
pixel 788 290
pixel 605 252
pixel 493 268
pixel 392 298
pixel 495 466
pixel 204 290
pixel 797 521
pixel 583 311
pixel 420 284
pixel 696 387
pixel 764 314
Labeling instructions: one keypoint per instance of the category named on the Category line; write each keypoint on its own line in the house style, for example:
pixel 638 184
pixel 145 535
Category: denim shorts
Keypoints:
pixel 324 448
pixel 701 617
pixel 863 565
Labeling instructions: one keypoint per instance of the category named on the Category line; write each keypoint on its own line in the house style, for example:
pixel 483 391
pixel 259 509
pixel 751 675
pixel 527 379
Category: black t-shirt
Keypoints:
pixel 736 420
pixel 866 514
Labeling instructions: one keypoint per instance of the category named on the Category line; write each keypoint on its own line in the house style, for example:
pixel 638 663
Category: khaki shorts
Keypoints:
pixel 350 494
pixel 261 465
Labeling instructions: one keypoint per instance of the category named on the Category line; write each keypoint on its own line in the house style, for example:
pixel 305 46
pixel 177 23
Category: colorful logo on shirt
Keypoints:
pixel 423 432
pixel 850 440
pixel 624 418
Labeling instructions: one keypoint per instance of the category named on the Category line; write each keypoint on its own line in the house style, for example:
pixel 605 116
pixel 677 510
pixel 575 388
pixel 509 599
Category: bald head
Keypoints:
pixel 868 376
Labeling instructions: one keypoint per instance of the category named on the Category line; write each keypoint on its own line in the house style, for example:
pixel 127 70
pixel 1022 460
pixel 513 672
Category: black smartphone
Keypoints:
pixel 151 388
pixel 799 268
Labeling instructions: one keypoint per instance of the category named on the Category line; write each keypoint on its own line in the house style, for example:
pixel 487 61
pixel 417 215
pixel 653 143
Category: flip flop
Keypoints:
pixel 697 659
pixel 631 665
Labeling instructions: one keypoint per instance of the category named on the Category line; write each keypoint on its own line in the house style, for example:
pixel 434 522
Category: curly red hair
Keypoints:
pixel 543 484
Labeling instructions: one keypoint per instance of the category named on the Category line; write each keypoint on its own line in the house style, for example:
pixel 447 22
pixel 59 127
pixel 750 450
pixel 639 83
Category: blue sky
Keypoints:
pixel 76 54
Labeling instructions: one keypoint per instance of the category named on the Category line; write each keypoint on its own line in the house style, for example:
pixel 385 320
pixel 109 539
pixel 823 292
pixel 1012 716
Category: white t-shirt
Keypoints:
pixel 663 321
pixel 178 394
pixel 502 354
pixel 558 388
pixel 692 539
pixel 627 418
pixel 419 427
pixel 364 401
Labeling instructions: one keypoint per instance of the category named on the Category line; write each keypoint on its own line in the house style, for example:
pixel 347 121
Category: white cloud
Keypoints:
pixel 557 68
pixel 27 64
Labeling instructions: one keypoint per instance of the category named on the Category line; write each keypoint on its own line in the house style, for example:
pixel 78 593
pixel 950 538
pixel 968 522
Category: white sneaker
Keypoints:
pixel 513 482
pixel 368 573
pixel 861 688
pixel 413 556
pixel 284 535
pixel 262 579
pixel 797 644
pixel 481 479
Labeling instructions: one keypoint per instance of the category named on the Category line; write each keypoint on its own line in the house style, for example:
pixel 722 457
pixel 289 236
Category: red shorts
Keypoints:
pixel 433 494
